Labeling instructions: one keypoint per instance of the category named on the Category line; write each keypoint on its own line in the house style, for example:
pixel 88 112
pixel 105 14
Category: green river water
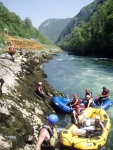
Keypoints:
pixel 73 74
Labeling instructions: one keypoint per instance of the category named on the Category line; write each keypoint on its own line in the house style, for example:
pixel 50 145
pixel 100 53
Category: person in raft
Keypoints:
pixel 99 128
pixel 88 102
pixel 47 134
pixel 74 115
pixel 88 92
pixel 104 95
pixel 74 102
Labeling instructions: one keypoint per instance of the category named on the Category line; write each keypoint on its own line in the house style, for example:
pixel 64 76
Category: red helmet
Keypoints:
pixel 77 106
pixel 74 95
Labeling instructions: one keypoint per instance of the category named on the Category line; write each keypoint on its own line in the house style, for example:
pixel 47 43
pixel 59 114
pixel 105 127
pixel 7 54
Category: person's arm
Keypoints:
pixel 41 138
pixel 89 102
pixel 40 90
pixel 102 126
pixel 105 95
pixel 75 102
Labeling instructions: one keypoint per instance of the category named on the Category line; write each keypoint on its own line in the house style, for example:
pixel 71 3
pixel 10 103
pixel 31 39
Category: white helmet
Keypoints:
pixel 97 117
pixel 88 123
pixel 88 96
pixel 39 83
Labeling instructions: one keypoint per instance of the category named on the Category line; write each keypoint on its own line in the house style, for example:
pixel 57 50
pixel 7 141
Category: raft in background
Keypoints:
pixel 68 140
pixel 61 104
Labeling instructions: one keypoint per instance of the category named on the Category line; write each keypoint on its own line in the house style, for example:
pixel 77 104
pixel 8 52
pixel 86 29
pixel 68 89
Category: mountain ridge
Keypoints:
pixel 53 27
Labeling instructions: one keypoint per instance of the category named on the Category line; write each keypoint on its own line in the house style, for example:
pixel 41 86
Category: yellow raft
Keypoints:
pixel 68 141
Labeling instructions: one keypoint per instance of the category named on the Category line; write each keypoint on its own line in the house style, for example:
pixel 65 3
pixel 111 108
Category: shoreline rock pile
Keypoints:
pixel 22 111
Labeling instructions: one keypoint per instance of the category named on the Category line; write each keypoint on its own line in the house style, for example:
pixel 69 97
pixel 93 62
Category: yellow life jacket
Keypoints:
pixel 53 137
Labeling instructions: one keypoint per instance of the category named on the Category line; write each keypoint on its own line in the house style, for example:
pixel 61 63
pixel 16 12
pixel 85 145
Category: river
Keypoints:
pixel 73 74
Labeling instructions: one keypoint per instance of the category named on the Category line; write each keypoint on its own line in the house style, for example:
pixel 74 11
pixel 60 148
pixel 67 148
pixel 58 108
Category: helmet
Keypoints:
pixel 88 123
pixel 97 117
pixel 39 83
pixel 88 96
pixel 77 106
pixel 52 119
pixel 74 95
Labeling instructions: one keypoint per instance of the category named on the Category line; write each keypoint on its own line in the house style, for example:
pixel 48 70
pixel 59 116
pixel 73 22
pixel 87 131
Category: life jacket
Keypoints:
pixel 105 92
pixel 98 126
pixel 53 137
pixel 89 93
pixel 74 100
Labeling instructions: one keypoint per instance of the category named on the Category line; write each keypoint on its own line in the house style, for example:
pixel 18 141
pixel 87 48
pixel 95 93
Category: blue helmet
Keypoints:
pixel 52 119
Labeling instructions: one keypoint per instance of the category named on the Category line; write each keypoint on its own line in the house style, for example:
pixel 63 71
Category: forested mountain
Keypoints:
pixel 81 17
pixel 52 28
pixel 94 34
pixel 17 27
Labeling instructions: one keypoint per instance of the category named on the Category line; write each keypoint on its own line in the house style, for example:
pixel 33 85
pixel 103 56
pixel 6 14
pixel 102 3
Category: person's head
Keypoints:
pixel 52 119
pixel 97 118
pixel 87 89
pixel 88 97
pixel 74 95
pixel 104 88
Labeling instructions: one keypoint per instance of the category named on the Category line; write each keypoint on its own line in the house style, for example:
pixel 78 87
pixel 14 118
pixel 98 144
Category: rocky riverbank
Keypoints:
pixel 22 111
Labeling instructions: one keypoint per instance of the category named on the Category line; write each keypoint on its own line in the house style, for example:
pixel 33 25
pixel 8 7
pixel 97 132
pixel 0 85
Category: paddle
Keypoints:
pixel 68 99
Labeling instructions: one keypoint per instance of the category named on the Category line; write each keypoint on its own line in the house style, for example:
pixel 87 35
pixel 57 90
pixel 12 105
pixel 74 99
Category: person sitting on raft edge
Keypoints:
pixel 99 128
pixel 104 95
pixel 88 92
pixel 74 115
pixel 75 101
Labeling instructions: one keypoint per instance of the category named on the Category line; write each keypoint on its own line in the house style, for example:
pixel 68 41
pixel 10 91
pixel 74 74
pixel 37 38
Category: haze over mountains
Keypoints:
pixel 52 28
pixel 57 29
pixel 89 33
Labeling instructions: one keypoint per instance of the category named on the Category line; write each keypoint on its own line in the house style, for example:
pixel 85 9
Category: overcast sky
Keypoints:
pixel 40 10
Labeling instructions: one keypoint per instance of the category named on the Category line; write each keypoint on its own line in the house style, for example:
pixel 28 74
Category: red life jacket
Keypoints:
pixel 74 100
pixel 105 92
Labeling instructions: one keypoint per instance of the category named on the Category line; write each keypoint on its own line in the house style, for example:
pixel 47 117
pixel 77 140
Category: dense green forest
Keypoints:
pixel 95 36
pixel 17 27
